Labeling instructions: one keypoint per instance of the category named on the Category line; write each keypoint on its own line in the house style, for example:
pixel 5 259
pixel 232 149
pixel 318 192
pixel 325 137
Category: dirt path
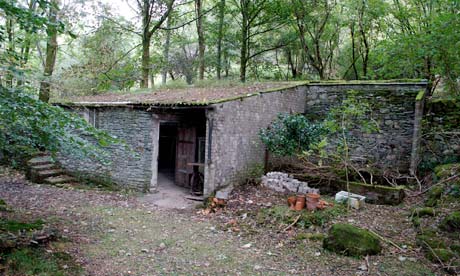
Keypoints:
pixel 118 234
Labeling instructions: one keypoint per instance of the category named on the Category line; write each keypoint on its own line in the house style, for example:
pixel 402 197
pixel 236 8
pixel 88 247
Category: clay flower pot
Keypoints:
pixel 300 202
pixel 291 202
pixel 312 201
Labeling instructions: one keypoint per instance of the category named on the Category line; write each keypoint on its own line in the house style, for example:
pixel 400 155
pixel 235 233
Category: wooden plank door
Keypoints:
pixel 185 153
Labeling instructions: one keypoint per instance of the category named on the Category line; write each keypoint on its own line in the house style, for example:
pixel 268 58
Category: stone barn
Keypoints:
pixel 211 134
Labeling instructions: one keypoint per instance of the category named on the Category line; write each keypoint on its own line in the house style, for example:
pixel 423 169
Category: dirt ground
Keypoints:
pixel 112 233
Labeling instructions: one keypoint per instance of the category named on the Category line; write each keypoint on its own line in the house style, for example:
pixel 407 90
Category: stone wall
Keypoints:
pixel 235 146
pixel 129 169
pixel 440 141
pixel 393 108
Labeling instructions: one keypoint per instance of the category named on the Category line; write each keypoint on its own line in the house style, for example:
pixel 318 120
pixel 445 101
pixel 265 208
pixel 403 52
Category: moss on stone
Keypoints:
pixel 420 95
pixel 434 195
pixel 423 212
pixel 446 170
pixel 350 240
pixel 451 222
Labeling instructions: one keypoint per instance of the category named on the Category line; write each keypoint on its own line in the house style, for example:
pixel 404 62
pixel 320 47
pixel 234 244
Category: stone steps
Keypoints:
pixel 43 169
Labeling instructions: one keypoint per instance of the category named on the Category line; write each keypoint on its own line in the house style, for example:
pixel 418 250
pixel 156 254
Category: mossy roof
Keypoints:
pixel 204 95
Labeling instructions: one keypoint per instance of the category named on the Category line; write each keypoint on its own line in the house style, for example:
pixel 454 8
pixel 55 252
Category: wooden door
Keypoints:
pixel 185 153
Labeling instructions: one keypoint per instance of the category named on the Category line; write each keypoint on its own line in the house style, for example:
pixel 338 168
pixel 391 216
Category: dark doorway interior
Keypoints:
pixel 167 149
pixel 181 152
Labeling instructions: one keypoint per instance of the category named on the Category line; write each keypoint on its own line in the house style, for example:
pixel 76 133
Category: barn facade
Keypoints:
pixel 207 140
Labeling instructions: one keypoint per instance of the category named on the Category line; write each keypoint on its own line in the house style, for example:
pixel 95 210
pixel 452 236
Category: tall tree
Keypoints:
pixel 317 30
pixel 365 22
pixel 154 13
pixel 220 37
pixel 51 51
pixel 257 18
pixel 166 47
pixel 201 38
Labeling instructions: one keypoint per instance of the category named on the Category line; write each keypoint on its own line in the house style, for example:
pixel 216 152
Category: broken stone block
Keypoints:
pixel 350 240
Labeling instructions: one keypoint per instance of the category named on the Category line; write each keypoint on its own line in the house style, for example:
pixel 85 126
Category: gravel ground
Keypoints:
pixel 118 234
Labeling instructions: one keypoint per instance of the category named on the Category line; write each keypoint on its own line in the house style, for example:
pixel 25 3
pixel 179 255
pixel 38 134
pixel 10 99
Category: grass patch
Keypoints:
pixel 15 226
pixel 36 261
pixel 281 214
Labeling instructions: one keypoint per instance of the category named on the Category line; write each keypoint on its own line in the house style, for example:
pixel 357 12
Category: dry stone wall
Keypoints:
pixel 393 108
pixel 128 168
pixel 440 141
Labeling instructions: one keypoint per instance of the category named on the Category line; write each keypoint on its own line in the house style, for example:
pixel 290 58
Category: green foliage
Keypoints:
pixel 291 134
pixel 451 223
pixel 434 195
pixel 282 214
pixel 26 18
pixel 14 226
pixel 36 261
pixel 28 125
pixel 433 27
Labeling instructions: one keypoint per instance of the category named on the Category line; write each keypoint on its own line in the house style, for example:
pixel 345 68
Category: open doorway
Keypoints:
pixel 181 148
pixel 167 150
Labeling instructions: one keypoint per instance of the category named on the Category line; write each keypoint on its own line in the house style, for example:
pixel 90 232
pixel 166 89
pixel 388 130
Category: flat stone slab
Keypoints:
pixel 53 180
pixel 48 173
pixel 43 167
pixel 41 160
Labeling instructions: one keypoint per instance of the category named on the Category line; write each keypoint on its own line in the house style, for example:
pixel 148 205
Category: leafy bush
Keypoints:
pixel 291 134
pixel 28 125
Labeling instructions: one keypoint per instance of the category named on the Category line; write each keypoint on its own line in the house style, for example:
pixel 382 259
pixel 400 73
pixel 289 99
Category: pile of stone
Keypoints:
pixel 282 182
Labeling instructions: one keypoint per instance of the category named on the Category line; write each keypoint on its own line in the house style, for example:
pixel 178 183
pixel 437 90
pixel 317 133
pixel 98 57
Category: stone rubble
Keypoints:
pixel 282 182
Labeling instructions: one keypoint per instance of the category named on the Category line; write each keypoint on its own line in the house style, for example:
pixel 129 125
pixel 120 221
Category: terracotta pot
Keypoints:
pixel 300 202
pixel 312 201
pixel 291 202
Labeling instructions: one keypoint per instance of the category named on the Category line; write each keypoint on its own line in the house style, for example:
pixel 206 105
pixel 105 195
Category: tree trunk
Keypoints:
pixel 164 72
pixel 201 39
pixel 227 64
pixel 51 51
pixel 365 54
pixel 291 63
pixel 10 33
pixel 220 37
pixel 353 50
pixel 244 40
pixel 146 37
pixel 145 62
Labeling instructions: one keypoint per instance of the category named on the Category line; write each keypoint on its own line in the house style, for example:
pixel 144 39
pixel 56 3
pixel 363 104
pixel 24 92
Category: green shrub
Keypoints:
pixel 291 134
pixel 28 125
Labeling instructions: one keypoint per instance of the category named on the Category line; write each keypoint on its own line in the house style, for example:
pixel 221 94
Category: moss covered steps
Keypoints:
pixel 43 169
